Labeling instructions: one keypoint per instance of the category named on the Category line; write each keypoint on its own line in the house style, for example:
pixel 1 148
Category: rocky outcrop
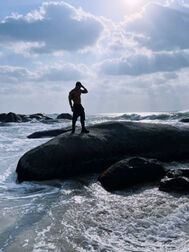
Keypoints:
pixel 185 120
pixel 39 117
pixel 176 181
pixel 19 118
pixel 48 133
pixel 10 117
pixel 64 116
pixel 70 154
pixel 50 121
pixel 131 172
pixel 25 118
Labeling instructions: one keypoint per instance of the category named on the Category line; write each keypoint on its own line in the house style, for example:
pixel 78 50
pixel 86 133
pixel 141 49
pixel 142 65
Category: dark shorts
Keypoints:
pixel 78 110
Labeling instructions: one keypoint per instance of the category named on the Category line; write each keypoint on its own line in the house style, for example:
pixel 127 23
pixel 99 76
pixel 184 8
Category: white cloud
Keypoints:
pixel 53 73
pixel 139 64
pixel 63 72
pixel 55 27
pixel 152 92
pixel 160 28
pixel 11 74
pixel 143 61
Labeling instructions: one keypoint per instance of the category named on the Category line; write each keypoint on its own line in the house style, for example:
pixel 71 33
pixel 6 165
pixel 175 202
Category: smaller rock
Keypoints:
pixel 184 120
pixel 3 117
pixel 178 173
pixel 19 118
pixel 24 118
pixel 64 116
pixel 11 117
pixel 48 133
pixel 130 172
pixel 49 121
pixel 177 184
pixel 39 116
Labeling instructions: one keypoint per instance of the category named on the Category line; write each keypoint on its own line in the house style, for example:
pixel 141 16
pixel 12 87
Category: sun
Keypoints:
pixel 134 4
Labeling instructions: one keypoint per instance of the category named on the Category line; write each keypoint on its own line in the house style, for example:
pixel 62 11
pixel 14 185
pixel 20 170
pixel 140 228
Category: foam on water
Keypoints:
pixel 79 215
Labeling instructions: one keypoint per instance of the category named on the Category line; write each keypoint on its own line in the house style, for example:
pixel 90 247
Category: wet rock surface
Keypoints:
pixel 185 120
pixel 39 117
pixel 48 133
pixel 177 184
pixel 19 118
pixel 176 181
pixel 131 172
pixel 10 117
pixel 178 173
pixel 69 154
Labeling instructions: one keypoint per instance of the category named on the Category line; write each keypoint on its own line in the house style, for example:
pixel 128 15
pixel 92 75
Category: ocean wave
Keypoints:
pixel 147 116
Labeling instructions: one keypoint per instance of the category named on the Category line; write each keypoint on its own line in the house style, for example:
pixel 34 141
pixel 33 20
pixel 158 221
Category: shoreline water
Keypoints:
pixel 79 215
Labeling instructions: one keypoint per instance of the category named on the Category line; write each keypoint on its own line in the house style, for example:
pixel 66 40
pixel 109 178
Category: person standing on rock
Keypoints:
pixel 76 107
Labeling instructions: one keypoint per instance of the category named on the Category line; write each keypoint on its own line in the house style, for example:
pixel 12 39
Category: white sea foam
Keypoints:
pixel 79 215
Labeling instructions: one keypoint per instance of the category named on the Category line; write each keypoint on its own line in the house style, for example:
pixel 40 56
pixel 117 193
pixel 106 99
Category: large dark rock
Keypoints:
pixel 130 172
pixel 184 120
pixel 70 154
pixel 64 116
pixel 177 184
pixel 10 117
pixel 48 133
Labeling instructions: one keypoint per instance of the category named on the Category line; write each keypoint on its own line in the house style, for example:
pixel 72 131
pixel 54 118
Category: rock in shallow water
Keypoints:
pixel 130 172
pixel 64 116
pixel 48 133
pixel 178 173
pixel 177 184
pixel 39 116
pixel 10 117
pixel 185 120
pixel 176 181
pixel 18 118
pixel 67 155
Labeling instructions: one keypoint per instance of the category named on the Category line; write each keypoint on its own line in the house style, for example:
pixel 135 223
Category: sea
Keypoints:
pixel 79 214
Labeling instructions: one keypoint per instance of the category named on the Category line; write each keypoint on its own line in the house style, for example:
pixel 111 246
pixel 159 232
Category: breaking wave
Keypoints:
pixel 169 116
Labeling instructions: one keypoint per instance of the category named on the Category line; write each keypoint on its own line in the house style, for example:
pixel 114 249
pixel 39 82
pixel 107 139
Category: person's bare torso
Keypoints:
pixel 75 95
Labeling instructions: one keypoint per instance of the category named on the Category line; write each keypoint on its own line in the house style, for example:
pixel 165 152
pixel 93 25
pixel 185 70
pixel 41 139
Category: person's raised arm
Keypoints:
pixel 70 101
pixel 83 90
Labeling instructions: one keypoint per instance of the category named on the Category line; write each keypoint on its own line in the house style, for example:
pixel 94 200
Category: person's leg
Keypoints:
pixel 82 119
pixel 73 124
pixel 82 123
pixel 74 118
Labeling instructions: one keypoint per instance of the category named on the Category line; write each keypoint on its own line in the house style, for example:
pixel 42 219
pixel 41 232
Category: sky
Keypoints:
pixel 131 55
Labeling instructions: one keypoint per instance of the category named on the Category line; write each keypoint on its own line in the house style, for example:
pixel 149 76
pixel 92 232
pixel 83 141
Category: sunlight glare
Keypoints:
pixel 134 4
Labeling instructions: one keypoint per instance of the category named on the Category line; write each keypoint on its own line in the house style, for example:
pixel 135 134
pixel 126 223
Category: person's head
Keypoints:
pixel 78 85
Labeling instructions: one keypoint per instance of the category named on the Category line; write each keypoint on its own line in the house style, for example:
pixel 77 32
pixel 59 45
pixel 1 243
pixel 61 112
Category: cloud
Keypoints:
pixel 12 74
pixel 139 64
pixel 143 60
pixel 160 28
pixel 56 73
pixel 55 27
pixel 64 72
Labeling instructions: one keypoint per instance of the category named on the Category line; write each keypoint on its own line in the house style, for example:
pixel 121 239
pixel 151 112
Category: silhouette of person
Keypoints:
pixel 76 107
